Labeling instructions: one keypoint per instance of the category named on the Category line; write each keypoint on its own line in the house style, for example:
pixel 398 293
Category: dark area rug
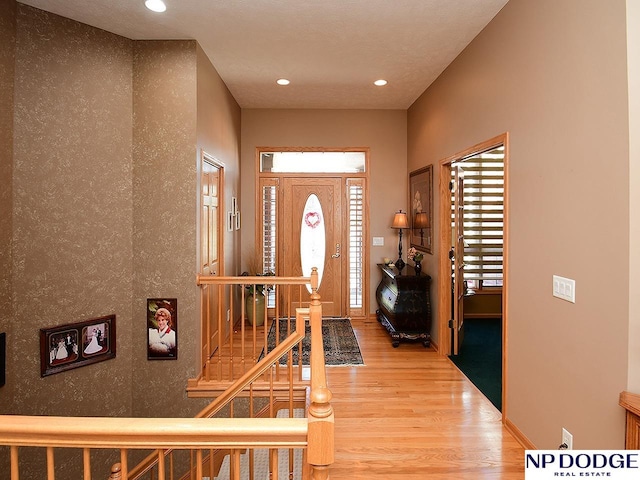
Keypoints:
pixel 340 343
pixel 480 357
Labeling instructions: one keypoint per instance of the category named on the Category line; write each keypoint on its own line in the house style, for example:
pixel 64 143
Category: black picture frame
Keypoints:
pixel 421 201
pixel 74 345
pixel 162 345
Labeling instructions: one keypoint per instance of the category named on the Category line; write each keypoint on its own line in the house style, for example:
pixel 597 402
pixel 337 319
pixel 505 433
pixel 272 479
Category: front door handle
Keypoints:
pixel 337 254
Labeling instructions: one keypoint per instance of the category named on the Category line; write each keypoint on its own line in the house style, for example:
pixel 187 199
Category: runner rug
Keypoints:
pixel 340 342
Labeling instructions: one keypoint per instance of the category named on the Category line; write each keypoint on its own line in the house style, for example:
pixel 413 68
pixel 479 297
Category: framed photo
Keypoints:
pixel 237 220
pixel 421 208
pixel 77 344
pixel 162 328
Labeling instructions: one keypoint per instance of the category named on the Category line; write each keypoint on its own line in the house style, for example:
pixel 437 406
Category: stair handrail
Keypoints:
pixel 241 384
pixel 151 433
pixel 263 365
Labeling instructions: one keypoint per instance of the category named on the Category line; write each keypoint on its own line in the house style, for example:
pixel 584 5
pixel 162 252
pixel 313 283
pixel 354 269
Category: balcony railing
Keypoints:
pixel 206 438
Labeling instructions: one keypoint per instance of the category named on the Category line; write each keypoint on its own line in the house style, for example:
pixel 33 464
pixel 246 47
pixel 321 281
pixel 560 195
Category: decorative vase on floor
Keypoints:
pixel 258 315
pixel 418 268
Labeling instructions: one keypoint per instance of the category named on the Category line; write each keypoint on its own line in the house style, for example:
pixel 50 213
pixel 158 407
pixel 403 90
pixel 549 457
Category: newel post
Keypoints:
pixel 321 432
pixel 321 446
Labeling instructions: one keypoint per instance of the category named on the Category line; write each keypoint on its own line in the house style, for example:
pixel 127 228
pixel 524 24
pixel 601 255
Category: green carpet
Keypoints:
pixel 339 341
pixel 480 357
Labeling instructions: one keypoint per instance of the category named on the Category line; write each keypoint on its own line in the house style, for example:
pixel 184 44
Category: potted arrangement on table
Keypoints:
pixel 417 257
pixel 255 297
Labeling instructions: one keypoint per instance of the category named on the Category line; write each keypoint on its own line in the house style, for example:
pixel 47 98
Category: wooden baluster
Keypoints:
pixel 51 468
pixel 252 472
pixel 15 473
pixel 124 465
pixel 161 471
pixel 235 464
pixel 211 464
pixel 273 463
pixel 198 465
pixel 86 461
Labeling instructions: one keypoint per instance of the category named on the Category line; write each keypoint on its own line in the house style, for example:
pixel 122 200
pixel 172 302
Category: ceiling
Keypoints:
pixel 330 50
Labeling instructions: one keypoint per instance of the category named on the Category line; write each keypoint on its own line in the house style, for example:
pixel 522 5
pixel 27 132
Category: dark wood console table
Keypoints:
pixel 404 304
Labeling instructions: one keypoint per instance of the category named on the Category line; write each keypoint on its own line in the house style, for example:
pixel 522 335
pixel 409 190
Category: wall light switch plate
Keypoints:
pixel 378 241
pixel 564 288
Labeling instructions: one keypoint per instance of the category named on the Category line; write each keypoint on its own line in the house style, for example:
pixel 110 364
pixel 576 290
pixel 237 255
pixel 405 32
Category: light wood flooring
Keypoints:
pixel 410 414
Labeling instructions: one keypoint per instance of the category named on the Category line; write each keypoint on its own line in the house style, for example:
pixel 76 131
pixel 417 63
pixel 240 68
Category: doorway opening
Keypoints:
pixel 312 211
pixel 473 209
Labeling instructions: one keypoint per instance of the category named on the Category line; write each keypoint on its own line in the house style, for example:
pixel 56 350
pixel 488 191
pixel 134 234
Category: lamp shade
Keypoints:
pixel 421 220
pixel 400 220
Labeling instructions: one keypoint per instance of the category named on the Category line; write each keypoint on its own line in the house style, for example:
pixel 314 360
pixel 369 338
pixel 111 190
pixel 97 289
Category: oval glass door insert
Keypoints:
pixel 312 238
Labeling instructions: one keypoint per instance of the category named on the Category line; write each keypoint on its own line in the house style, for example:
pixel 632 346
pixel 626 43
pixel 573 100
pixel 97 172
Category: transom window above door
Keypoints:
pixel 312 162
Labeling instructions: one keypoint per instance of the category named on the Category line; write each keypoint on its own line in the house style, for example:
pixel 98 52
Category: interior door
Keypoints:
pixel 211 180
pixel 303 221
pixel 458 259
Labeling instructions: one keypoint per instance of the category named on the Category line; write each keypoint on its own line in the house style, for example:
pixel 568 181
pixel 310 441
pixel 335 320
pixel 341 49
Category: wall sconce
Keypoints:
pixel 400 221
pixel 421 222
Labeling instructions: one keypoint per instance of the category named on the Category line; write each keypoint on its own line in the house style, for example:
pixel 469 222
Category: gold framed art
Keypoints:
pixel 421 208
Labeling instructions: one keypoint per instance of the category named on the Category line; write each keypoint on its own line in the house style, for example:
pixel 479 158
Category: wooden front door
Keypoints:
pixel 298 222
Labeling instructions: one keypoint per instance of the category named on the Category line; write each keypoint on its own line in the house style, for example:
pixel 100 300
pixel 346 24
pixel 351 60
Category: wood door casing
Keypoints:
pixel 211 182
pixel 296 191
pixel 458 261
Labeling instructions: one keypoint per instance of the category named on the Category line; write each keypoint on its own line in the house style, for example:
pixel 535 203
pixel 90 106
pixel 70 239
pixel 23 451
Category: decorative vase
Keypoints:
pixel 418 268
pixel 258 315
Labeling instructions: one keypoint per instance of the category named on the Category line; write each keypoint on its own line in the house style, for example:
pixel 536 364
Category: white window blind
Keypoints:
pixel 483 217
pixel 269 215
pixel 355 195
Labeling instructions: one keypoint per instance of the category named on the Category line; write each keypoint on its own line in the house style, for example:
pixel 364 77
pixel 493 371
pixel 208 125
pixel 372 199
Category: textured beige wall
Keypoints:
pixel 7 63
pixel 181 107
pixel 219 136
pixel 553 75
pixel 633 55
pixel 164 220
pixel 108 133
pixel 72 208
pixel 383 131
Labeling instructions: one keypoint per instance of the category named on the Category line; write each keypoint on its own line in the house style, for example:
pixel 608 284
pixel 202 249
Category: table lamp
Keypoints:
pixel 421 221
pixel 400 222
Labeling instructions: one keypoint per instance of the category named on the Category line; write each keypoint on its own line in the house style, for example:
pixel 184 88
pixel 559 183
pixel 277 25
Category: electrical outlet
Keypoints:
pixel 567 439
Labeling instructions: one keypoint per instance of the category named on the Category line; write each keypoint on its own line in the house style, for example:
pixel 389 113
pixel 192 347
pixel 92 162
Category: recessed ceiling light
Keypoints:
pixel 380 83
pixel 155 5
pixel 283 81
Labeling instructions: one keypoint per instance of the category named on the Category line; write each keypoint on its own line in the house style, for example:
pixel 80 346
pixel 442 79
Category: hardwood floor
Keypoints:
pixel 410 414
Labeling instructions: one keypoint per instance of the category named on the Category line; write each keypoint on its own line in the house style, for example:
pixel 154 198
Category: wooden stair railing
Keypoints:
pixel 631 403
pixel 202 434
pixel 240 385
pixel 227 355
pixel 199 434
